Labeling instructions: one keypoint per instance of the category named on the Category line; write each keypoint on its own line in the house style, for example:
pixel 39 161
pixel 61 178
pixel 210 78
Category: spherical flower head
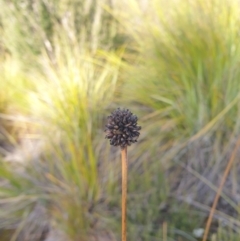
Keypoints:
pixel 122 128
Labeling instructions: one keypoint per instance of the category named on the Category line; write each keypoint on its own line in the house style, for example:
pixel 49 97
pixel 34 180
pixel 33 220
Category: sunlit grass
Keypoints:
pixel 72 89
pixel 185 84
pixel 71 98
pixel 15 87
pixel 188 74
pixel 73 85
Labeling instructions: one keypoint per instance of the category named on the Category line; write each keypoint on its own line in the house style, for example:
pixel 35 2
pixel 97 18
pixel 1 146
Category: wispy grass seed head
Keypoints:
pixel 122 128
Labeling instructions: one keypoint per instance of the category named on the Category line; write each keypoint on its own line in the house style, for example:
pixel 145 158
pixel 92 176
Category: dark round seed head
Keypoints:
pixel 122 129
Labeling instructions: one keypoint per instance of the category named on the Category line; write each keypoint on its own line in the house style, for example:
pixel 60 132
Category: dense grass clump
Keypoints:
pixel 188 71
pixel 187 80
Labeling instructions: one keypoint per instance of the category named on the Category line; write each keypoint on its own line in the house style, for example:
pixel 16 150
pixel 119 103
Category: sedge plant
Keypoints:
pixel 122 130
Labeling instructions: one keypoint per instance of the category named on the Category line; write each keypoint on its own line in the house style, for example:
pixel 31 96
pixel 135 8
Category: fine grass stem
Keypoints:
pixel 226 172
pixel 124 192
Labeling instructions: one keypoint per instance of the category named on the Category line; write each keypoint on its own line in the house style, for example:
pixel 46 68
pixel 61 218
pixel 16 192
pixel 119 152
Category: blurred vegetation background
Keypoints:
pixel 65 65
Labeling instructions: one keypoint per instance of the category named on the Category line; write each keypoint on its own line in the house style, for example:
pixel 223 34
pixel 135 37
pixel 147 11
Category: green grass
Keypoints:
pixel 188 71
pixel 185 85
pixel 64 70
pixel 15 87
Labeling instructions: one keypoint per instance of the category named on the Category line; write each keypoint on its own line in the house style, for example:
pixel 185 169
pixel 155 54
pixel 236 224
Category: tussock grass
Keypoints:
pixel 72 87
pixel 188 74
pixel 185 84
pixel 71 97
pixel 77 92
